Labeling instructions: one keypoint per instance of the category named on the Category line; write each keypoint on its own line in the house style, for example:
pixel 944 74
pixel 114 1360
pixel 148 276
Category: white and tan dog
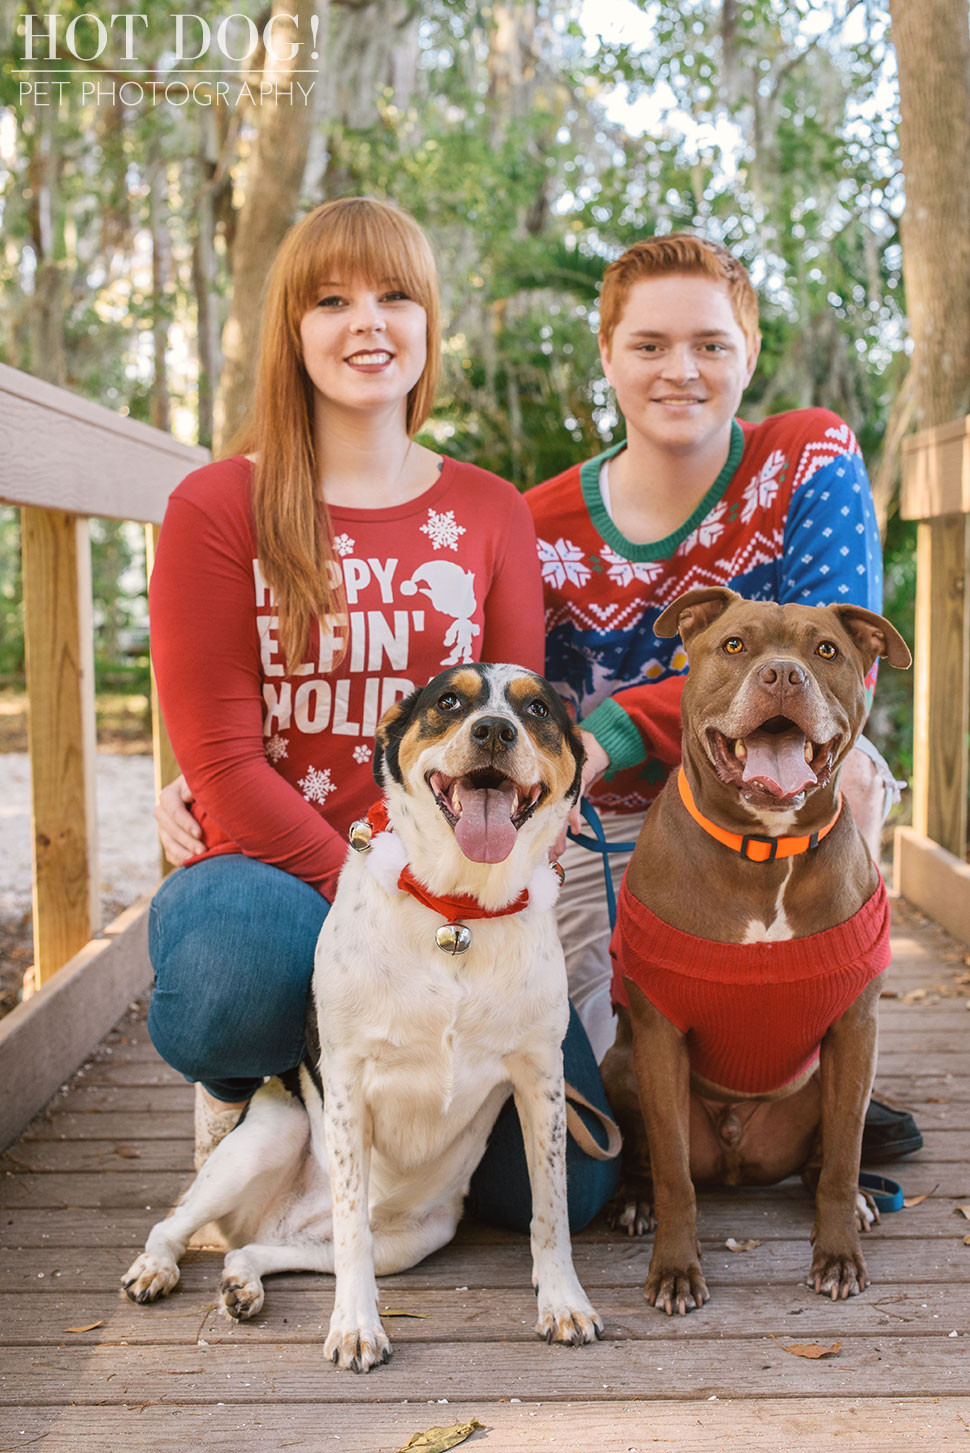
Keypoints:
pixel 439 982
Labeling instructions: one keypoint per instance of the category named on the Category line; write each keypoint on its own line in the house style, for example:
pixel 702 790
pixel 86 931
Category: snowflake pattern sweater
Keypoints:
pixel 789 518
pixel 282 763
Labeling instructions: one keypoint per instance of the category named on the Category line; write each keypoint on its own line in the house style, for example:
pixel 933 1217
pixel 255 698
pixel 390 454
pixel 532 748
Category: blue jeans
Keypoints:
pixel 232 943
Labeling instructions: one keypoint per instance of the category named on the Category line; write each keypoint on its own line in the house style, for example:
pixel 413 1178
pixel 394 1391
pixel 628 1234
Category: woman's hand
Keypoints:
pixel 178 830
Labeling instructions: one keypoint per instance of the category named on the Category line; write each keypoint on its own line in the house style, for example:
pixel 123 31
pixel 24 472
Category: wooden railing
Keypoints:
pixel 930 867
pixel 64 460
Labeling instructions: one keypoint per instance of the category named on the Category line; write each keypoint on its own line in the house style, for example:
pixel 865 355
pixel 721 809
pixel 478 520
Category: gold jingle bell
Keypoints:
pixel 360 835
pixel 453 938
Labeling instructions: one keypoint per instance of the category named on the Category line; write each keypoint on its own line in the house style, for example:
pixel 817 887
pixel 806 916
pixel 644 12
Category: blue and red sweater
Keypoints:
pixel 789 518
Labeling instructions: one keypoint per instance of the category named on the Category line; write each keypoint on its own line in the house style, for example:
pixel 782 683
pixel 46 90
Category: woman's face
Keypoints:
pixel 364 345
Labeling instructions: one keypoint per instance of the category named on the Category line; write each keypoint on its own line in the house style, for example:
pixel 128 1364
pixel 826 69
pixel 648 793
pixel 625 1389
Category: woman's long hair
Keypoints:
pixel 352 238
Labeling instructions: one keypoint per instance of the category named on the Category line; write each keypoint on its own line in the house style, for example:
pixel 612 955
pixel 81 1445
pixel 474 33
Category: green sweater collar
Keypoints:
pixel 589 477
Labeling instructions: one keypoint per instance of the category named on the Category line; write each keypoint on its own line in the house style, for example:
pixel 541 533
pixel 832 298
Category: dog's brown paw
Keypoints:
pixel 838 1274
pixel 150 1277
pixel 679 1290
pixel 630 1214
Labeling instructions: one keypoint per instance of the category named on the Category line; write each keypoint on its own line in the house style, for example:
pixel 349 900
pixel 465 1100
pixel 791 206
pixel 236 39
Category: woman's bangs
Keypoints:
pixel 367 243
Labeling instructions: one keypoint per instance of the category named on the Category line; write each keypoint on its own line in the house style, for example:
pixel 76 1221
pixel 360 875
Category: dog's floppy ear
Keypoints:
pixel 693 611
pixel 390 729
pixel 874 635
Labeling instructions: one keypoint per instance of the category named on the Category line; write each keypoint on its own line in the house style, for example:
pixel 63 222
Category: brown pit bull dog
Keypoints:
pixel 752 933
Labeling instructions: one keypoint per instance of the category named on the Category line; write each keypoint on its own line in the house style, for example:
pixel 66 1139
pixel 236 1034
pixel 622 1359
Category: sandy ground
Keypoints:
pixel 127 848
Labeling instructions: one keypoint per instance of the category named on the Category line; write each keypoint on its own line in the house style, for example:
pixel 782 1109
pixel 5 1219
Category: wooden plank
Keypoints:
pixel 936 472
pixel 301 1314
pixel 762 1425
pixel 93 461
pixel 916 1264
pixel 936 880
pixel 245 1375
pixel 163 756
pixel 44 1039
pixel 61 734
pixel 942 687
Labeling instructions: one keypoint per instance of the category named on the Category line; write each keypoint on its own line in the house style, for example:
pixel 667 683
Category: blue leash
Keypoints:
pixel 598 844
pixel 886 1193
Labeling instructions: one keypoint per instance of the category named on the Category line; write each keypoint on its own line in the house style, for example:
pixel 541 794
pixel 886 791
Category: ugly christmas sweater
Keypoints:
pixel 281 762
pixel 789 518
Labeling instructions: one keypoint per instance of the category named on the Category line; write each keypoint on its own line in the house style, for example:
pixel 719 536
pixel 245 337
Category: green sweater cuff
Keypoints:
pixel 617 735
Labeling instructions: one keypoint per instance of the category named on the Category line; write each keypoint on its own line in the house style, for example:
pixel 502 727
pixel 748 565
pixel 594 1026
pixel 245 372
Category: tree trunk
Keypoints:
pixel 275 174
pixel 932 40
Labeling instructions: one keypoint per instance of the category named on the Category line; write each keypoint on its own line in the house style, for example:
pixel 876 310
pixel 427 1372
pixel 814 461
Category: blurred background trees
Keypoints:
pixel 534 139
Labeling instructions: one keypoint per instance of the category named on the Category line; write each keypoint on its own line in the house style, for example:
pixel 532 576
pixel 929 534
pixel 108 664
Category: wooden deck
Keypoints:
pixel 84 1369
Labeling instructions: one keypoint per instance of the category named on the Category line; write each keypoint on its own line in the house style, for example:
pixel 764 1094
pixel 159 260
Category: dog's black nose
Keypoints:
pixel 496 732
pixel 785 674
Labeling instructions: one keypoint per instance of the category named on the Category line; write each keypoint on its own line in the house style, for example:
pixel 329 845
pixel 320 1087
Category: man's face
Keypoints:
pixel 679 362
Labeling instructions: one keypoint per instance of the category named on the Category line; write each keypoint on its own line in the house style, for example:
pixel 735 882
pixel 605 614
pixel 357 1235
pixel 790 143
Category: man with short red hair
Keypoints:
pixel 779 510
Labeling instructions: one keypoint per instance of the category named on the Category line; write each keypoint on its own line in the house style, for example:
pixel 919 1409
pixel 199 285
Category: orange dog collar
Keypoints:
pixel 754 846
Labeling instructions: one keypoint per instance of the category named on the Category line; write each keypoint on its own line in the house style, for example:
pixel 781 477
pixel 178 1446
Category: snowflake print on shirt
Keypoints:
pixel 761 489
pixel 276 748
pixel 317 785
pixel 625 571
pixel 362 755
pixel 343 545
pixel 710 529
pixel 561 562
pixel 442 530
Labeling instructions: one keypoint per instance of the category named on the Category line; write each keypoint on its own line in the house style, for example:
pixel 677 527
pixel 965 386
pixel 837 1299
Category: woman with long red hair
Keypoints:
pixel 301 585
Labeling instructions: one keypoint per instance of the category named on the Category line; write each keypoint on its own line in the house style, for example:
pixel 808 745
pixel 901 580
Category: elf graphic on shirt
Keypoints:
pixel 451 591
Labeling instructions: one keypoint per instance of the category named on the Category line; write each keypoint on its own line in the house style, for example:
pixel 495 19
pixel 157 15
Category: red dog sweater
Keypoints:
pixel 754 1014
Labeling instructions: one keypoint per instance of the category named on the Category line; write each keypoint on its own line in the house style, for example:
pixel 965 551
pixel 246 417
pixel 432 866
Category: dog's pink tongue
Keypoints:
pixel 777 762
pixel 485 831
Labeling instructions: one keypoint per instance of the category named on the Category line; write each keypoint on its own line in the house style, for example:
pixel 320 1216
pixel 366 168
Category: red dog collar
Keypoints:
pixel 451 909
pixel 753 846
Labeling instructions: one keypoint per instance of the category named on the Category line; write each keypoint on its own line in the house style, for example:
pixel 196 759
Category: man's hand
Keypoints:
pixel 178 830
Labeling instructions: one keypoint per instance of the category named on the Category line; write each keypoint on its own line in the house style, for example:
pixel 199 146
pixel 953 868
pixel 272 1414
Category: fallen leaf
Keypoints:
pixel 389 1312
pixel 937 1099
pixel 89 1328
pixel 436 1440
pixel 964 1211
pixel 127 1152
pixel 809 1349
pixel 913 996
pixel 909 1201
pixel 966 1240
pixel 733 1245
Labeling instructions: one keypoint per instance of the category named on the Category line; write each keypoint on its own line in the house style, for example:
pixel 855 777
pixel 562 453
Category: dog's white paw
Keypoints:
pixel 242 1296
pixel 574 1323
pixel 357 1349
pixel 149 1277
pixel 866 1211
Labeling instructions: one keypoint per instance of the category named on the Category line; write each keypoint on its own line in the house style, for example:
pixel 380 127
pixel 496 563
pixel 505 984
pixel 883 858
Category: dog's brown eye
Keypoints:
pixel 538 707
pixel 826 650
pixel 448 701
pixel 733 645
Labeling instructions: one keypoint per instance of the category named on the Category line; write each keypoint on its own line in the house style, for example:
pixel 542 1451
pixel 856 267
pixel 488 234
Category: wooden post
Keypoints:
pixel 942 681
pixel 61 734
pixel 166 767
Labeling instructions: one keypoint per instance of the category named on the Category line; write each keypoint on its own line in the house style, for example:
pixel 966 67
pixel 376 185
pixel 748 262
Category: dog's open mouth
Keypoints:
pixel 776 761
pixel 486 810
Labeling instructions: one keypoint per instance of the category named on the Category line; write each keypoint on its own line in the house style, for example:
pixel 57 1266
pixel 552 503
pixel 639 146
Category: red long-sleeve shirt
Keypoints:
pixel 281 762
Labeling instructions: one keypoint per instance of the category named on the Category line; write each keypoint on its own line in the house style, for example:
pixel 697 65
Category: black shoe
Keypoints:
pixel 888 1133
